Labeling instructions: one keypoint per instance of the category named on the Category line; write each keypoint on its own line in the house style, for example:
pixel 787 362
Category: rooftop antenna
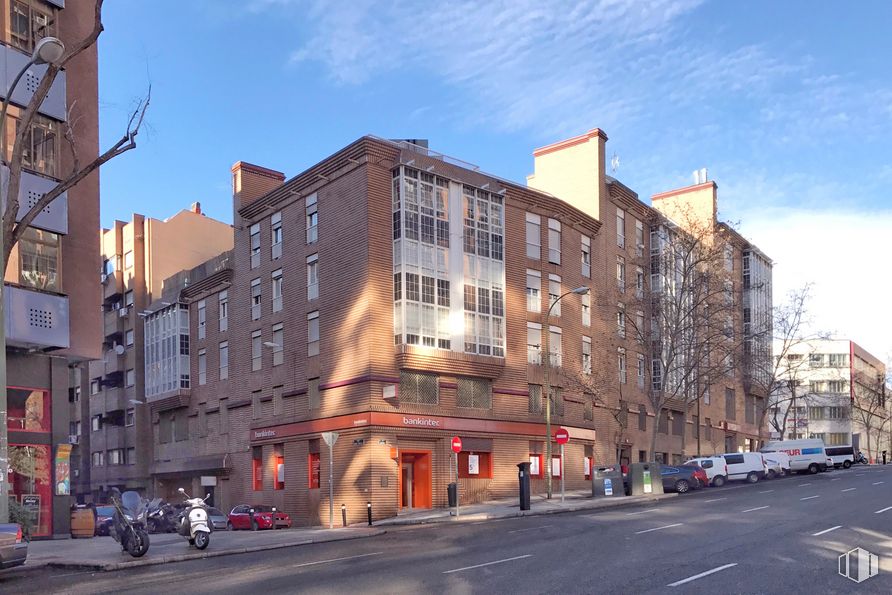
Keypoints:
pixel 614 163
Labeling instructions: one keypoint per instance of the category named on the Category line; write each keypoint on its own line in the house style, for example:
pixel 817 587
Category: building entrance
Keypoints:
pixel 415 479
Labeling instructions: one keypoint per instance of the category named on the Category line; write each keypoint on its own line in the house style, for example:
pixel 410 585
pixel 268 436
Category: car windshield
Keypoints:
pixel 105 510
pixel 262 508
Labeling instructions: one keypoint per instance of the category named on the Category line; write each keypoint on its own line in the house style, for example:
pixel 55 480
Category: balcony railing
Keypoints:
pixel 53 217
pixel 35 319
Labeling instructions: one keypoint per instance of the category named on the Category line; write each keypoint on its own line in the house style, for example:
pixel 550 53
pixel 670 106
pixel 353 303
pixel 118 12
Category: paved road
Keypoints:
pixel 775 536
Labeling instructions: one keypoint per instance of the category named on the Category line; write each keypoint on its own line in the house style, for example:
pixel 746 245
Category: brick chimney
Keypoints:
pixel 250 182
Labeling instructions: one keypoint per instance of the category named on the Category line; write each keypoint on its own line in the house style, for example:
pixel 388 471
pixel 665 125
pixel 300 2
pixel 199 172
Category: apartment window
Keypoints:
pixel 130 377
pixel 473 393
pixel 556 400
pixel 256 301
pixel 816 386
pixel 642 418
pixel 131 456
pixel 202 319
pixel 275 223
pixel 313 394
pixel 815 413
pixel 279 451
pixel 255 245
pixel 656 374
pixel 29 22
pixel 621 364
pixel 534 343
pixel 278 344
pixel 312 219
pixel 838 438
pixel 839 360
pixel 39 260
pixel 642 370
pixel 730 405
pixel 588 409
pixel 418 387
pixel 639 238
pixel 554 241
pixel 707 429
pixel 224 360
pixel 639 282
pixel 837 413
pixel 749 403
pixel 202 367
pixel 621 274
pixel 128 337
pixel 837 386
pixel 98 459
pixel 257 468
pixel 677 423
pixel 312 277
pixel 620 228
pixel 313 333
pixel 663 421
pixel 256 405
pixel 534 291
pixel 96 423
pixel 554 294
pixel 40 144
pixel 95 386
pixel 554 347
pixel 639 326
pixel 256 353
pixel 223 307
pixel 621 321
pixel 816 360
pixel 586 301
pixel 128 260
pixel 534 399
pixel 534 236
pixel 586 355
pixel 586 256
pixel 116 456
pixel 130 417
pixel 277 290
pixel 128 298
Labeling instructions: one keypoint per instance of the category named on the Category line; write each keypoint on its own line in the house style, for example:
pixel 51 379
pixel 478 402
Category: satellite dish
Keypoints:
pixel 119 349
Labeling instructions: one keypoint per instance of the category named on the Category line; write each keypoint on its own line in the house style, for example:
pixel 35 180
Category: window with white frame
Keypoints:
pixel 256 351
pixel 130 417
pixel 202 319
pixel 656 374
pixel 554 346
pixel 223 310
pixel 95 386
pixel 312 217
pixel 277 290
pixel 256 304
pixel 128 337
pixel 621 364
pixel 554 241
pixel 620 228
pixel 586 355
pixel 639 282
pixel 98 459
pixel 534 343
pixel 312 277
pixel 202 367
pixel 254 232
pixel 534 291
pixel 586 300
pixel 96 423
pixel 130 377
pixel 621 274
pixel 639 326
pixel 128 298
pixel 554 294
pixel 639 238
pixel 278 344
pixel 642 367
pixel 224 360
pixel 586 256
pixel 313 333
pixel 275 228
pixel 128 260
pixel 534 236
pixel 621 320
pixel 116 456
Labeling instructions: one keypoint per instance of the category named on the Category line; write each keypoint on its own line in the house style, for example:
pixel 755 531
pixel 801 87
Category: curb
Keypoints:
pixel 112 566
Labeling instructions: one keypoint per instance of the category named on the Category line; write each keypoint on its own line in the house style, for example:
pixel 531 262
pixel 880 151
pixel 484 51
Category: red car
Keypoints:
pixel 257 517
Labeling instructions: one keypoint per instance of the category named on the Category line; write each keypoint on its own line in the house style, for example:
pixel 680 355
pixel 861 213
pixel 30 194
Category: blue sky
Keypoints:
pixel 788 104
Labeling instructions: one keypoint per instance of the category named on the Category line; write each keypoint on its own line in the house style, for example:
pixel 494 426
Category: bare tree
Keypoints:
pixel 871 410
pixel 13 228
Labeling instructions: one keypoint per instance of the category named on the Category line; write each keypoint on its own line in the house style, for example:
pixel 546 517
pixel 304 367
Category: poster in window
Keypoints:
pixel 63 470
pixel 556 467
pixel 587 466
pixel 473 464
pixel 534 465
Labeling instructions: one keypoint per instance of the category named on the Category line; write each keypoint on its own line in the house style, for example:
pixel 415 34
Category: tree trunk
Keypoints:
pixel 653 433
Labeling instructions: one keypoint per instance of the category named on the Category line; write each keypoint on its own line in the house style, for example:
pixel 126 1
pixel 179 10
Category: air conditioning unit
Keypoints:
pixel 73 439
pixel 103 278
pixel 123 312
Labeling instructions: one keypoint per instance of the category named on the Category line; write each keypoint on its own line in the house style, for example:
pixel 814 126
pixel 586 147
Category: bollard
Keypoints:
pixel 369 508
pixel 344 515
pixel 275 521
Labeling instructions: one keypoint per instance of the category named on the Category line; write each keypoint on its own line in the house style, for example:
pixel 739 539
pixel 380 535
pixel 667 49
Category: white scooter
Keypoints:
pixel 194 524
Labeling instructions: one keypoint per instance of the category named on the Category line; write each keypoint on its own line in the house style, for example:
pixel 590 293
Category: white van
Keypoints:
pixel 805 455
pixel 778 463
pixel 748 466
pixel 842 456
pixel 715 467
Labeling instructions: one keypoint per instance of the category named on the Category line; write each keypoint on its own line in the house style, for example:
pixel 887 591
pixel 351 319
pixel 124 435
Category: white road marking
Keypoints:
pixel 849 489
pixel 836 479
pixel 335 560
pixel 641 511
pixel 766 492
pixel 530 529
pixel 858 474
pixel 488 564
pixel 702 574
pixel 715 499
pixel 754 509
pixel 876 483
pixel 883 509
pixel 658 528
pixel 826 531
pixel 804 484
pixel 809 497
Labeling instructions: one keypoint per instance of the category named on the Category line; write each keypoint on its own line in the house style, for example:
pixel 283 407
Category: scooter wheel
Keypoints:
pixel 202 539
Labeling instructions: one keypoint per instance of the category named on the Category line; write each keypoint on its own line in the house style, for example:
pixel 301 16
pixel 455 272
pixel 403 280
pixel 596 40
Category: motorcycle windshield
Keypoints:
pixel 131 502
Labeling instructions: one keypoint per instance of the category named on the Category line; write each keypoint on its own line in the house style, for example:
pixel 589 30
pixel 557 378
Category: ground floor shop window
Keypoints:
pixel 556 469
pixel 29 410
pixel 536 466
pixel 280 467
pixel 476 465
pixel 257 469
pixel 29 476
pixel 314 469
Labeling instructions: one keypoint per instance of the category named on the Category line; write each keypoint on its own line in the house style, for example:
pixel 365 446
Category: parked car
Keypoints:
pixel 715 467
pixel 257 517
pixel 841 456
pixel 683 478
pixel 805 455
pixel 218 520
pixel 104 516
pixel 745 466
pixel 13 546
pixel 778 464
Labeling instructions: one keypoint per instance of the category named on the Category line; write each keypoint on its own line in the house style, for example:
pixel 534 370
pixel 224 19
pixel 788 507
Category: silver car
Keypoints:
pixel 218 519
pixel 13 546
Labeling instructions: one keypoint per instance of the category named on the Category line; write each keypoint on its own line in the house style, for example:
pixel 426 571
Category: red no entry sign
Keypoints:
pixel 561 436
pixel 456 444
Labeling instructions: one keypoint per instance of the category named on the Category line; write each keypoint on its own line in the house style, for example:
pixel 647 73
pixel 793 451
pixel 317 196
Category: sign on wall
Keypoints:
pixel 473 464
pixel 63 470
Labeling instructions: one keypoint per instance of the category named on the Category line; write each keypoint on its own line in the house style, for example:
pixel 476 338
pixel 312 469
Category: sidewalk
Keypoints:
pixel 508 507
pixel 104 553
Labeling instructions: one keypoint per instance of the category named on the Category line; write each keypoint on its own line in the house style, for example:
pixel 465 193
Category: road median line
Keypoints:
pixel 487 564
pixel 702 574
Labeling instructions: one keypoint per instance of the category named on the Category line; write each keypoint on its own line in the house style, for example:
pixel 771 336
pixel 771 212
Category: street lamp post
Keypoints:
pixel 547 388
pixel 48 50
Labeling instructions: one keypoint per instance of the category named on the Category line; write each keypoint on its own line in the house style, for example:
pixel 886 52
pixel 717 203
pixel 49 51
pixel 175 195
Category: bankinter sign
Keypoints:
pixel 421 422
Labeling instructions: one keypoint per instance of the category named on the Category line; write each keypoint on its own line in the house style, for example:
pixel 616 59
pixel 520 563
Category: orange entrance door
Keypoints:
pixel 415 479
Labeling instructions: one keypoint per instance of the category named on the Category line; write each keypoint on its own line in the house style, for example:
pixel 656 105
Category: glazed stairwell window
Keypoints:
pixel 275 225
pixel 312 277
pixel 40 260
pixel 277 290
pixel 40 152
pixel 554 241
pixel 586 256
pixel 223 310
pixel 255 245
pixel 312 219
pixel 313 333
pixel 202 319
pixel 224 360
pixel 534 236
pixel 256 303
pixel 29 22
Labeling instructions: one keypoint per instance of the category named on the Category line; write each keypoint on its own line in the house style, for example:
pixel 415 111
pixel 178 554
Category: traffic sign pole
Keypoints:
pixel 562 436
pixel 330 438
pixel 456 448
pixel 563 464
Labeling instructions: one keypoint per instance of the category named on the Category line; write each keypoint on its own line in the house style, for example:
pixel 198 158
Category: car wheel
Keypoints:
pixel 682 486
pixel 813 469
pixel 229 526
pixel 772 474
pixel 752 477
pixel 846 464
pixel 718 481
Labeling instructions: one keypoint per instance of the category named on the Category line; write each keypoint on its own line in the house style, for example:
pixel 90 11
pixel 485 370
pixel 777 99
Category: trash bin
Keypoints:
pixel 646 478
pixel 523 481
pixel 83 522
pixel 452 492
pixel 608 481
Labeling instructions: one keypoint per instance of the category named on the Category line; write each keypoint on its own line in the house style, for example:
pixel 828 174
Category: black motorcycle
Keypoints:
pixel 161 517
pixel 129 523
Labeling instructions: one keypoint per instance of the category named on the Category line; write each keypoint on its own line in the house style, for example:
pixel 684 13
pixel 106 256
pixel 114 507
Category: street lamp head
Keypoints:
pixel 48 50
pixel 581 290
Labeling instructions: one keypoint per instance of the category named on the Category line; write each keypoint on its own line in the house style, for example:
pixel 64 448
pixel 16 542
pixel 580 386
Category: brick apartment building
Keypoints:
pixel 112 426
pixel 397 296
pixel 50 283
